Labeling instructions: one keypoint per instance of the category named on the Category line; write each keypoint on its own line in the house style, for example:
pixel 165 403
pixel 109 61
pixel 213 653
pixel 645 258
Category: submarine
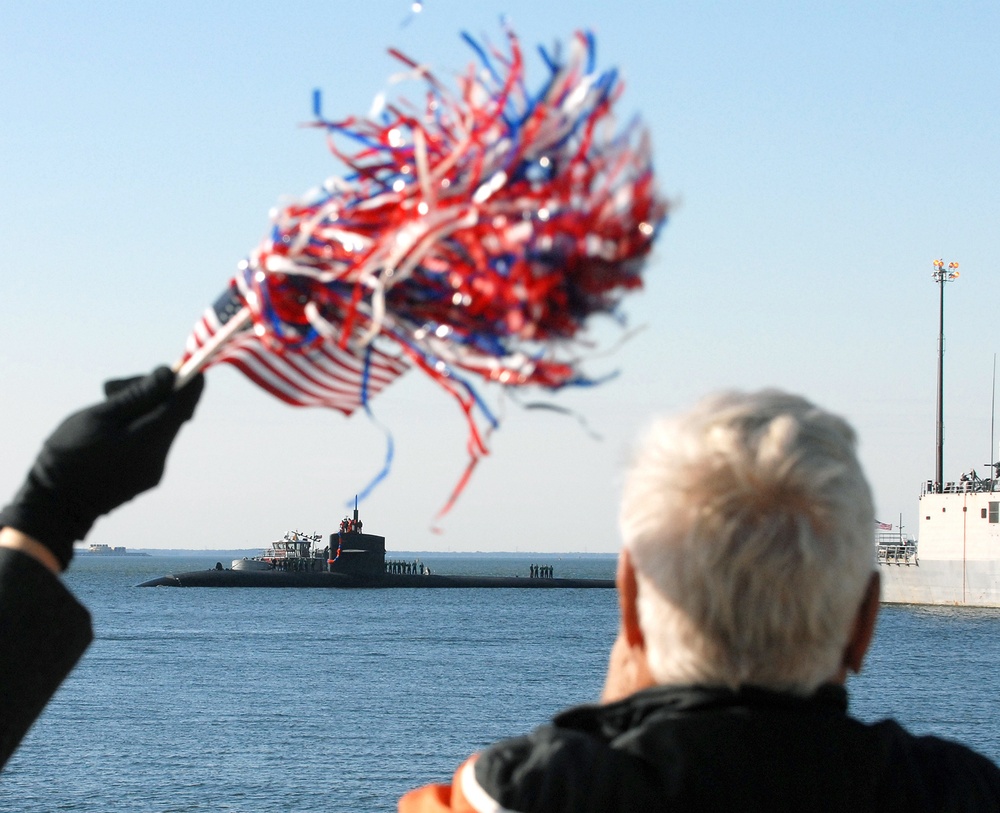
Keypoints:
pixel 350 559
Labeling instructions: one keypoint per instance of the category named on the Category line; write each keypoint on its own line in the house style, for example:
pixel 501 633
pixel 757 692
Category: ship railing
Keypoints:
pixel 978 485
pixel 897 553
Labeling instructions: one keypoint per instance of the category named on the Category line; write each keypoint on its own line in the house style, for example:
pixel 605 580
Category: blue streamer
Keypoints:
pixel 390 450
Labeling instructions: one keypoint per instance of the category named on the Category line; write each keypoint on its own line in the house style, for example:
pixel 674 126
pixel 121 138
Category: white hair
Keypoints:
pixel 750 525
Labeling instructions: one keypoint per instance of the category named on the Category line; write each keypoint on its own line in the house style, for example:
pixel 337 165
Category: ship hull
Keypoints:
pixel 942 582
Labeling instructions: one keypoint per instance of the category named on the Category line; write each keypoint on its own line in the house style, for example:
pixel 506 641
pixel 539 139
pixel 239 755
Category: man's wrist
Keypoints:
pixel 16 540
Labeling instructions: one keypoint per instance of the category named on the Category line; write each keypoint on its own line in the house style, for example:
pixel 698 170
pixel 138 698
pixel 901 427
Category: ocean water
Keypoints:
pixel 255 700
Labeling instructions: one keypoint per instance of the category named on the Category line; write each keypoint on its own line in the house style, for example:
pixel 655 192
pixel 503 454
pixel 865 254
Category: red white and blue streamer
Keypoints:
pixel 476 231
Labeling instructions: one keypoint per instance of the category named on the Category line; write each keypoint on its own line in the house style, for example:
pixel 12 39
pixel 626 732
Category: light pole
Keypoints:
pixel 941 275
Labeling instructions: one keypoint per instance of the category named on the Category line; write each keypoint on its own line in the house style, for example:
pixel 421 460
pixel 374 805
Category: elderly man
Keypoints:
pixel 748 592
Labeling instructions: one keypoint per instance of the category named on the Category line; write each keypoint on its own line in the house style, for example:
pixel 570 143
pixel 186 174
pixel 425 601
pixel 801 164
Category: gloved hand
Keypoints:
pixel 101 457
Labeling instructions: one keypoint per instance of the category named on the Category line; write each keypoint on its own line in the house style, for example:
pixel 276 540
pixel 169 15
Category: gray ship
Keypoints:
pixel 956 557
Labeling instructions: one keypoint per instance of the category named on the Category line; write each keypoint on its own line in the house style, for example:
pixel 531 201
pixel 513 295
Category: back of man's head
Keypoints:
pixel 750 526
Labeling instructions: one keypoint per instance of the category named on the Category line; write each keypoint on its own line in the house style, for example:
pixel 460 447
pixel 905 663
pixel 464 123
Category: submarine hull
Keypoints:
pixel 276 578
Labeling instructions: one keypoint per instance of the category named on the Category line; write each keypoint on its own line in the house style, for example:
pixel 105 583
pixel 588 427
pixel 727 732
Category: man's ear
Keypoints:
pixel 628 669
pixel 864 627
pixel 628 601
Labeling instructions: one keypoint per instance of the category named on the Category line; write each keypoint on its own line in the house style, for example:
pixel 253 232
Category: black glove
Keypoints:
pixel 101 457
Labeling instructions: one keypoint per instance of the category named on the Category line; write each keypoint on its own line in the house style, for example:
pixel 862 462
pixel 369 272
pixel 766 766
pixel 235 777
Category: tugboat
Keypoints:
pixel 351 559
pixel 293 551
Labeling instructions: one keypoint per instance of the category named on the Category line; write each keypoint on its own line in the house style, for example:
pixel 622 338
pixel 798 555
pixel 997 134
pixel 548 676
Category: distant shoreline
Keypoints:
pixel 108 554
pixel 239 553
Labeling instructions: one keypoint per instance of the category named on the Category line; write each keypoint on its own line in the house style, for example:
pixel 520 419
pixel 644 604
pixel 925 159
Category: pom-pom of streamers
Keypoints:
pixel 476 229
pixel 480 230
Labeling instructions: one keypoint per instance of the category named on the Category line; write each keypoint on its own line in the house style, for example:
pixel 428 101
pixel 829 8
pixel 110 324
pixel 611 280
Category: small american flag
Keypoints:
pixel 883 526
pixel 323 375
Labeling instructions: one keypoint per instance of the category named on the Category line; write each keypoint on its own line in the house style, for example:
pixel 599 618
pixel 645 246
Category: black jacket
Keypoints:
pixel 43 633
pixel 711 749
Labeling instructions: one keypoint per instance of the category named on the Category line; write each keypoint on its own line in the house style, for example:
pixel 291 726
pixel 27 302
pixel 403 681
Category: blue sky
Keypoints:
pixel 820 156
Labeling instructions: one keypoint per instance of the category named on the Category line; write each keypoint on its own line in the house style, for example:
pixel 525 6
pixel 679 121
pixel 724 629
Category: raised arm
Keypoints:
pixel 97 459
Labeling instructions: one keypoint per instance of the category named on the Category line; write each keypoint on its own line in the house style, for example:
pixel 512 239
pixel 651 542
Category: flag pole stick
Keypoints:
pixel 197 361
